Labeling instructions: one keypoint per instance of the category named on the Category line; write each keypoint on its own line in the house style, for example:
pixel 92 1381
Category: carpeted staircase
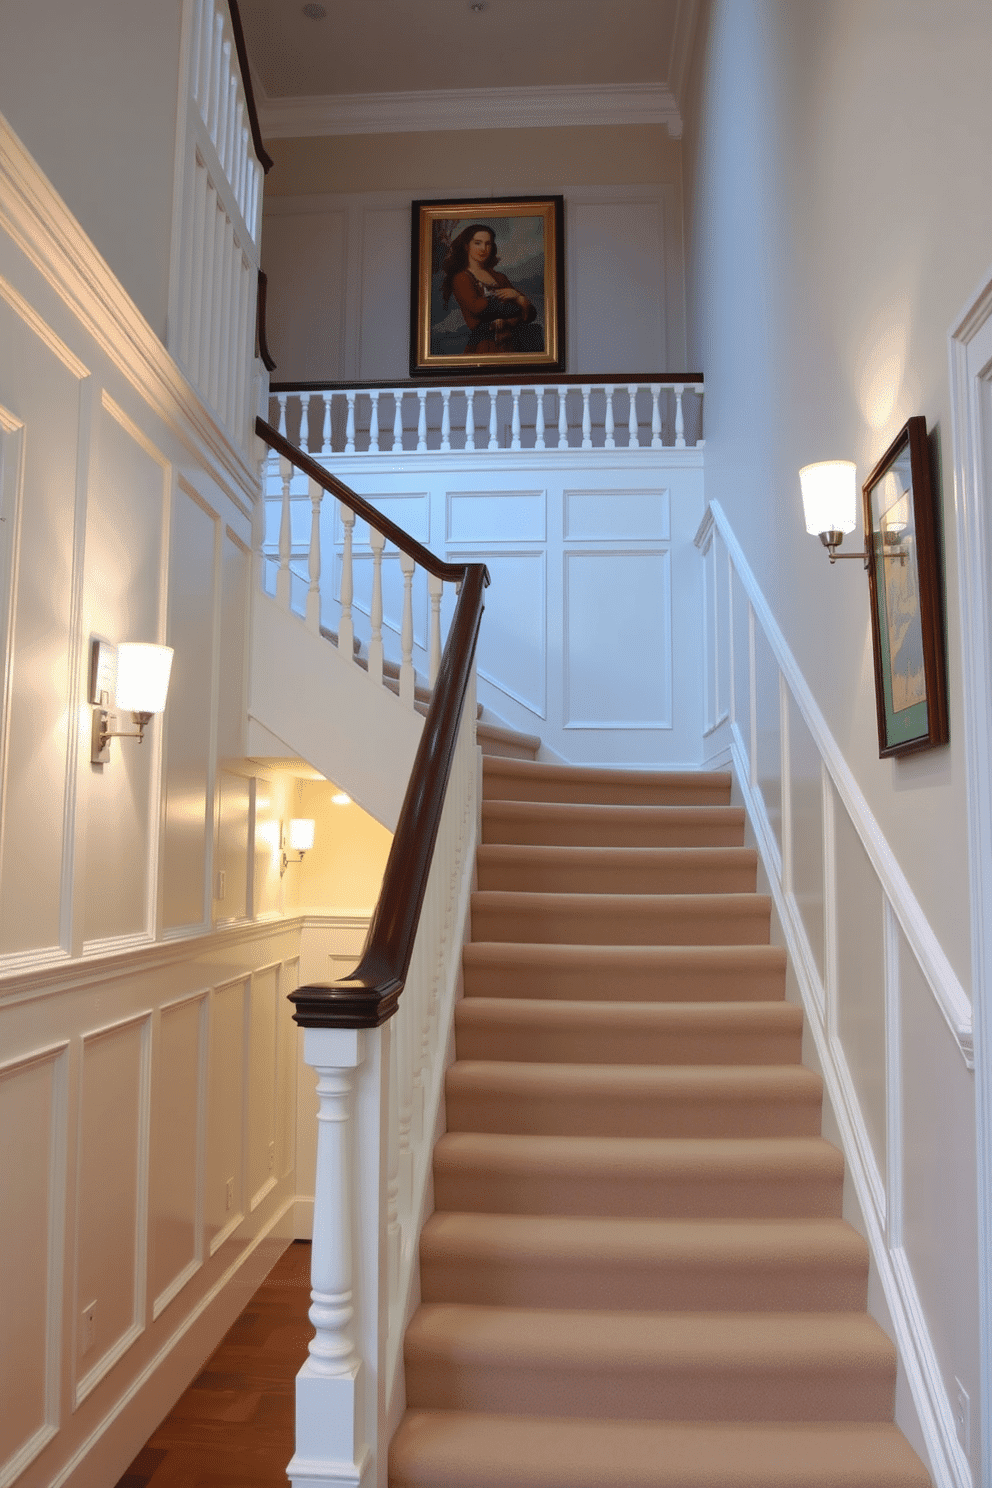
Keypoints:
pixel 637 1274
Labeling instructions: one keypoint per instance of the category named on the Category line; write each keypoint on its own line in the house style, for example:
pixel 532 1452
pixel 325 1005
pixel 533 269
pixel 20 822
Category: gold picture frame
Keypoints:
pixel 473 260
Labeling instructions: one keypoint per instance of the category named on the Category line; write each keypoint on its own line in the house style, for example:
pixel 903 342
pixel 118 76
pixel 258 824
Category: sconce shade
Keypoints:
pixel 143 676
pixel 301 834
pixel 829 496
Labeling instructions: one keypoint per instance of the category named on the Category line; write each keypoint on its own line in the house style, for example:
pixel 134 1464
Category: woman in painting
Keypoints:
pixel 498 316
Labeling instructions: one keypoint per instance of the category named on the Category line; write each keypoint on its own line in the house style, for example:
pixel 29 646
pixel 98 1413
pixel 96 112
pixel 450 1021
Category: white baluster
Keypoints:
pixel 562 418
pixel 656 440
pixel 470 418
pixel 435 587
pixel 328 1387
pixel 422 421
pixel 285 538
pixel 346 628
pixel 349 438
pixel 313 593
pixel 374 423
pixel 325 445
pixel 515 420
pixel 282 413
pixel 493 441
pixel 304 440
pixel 586 419
pixel 377 542
pixel 679 423
pixel 632 442
pixel 407 566
pixel 446 419
pixel 539 418
pixel 609 442
pixel 398 419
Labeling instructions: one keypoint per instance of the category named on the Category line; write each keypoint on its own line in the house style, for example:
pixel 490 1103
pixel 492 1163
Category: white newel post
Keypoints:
pixel 330 1416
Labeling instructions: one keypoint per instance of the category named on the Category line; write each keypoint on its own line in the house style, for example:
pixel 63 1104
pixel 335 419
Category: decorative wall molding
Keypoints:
pixel 471 108
pixel 39 223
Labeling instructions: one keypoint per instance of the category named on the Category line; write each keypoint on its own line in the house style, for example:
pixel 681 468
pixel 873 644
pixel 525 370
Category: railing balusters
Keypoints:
pixel 282 413
pixel 493 427
pixel 422 421
pixel 586 418
pixel 470 418
pixel 304 439
pixel 679 423
pixel 398 419
pixel 632 442
pixel 609 441
pixel 562 418
pixel 515 420
pixel 656 441
pixel 346 629
pixel 445 419
pixel 349 438
pixel 539 418
pixel 374 423
pixel 313 593
pixel 407 566
pixel 435 587
pixel 325 446
pixel 377 542
pixel 285 538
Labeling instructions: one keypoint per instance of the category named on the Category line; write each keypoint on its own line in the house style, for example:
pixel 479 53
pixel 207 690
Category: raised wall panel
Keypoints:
pixel 288 1037
pixel 224 1206
pixel 232 857
pixel 767 726
pixel 235 577
pixel 511 652
pixel 195 533
pixel 860 993
pixel 111 1195
pixel 40 385
pixel 618 639
pixel 604 515
pixel 32 1147
pixel 806 791
pixel 496 516
pixel 616 255
pixel 126 505
pixel 175 1176
pixel 262 1067
pixel 304 257
pixel 385 295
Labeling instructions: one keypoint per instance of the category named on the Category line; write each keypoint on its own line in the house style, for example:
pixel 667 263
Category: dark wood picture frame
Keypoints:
pixel 460 336
pixel 902 545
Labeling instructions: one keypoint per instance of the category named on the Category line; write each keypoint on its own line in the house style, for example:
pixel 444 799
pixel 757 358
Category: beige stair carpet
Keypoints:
pixel 637 1274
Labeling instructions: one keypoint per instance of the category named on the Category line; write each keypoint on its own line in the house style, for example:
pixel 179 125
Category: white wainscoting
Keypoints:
pixel 591 636
pixel 890 1022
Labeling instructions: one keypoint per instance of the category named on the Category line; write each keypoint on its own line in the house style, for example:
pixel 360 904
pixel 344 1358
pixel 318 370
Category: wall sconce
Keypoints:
pixel 830 504
pixel 298 839
pixel 138 676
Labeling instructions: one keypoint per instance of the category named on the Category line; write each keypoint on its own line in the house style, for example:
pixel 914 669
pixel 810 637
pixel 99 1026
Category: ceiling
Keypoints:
pixel 397 46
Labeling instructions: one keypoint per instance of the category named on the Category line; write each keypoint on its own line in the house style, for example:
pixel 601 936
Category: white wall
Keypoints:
pixel 336 243
pixel 835 235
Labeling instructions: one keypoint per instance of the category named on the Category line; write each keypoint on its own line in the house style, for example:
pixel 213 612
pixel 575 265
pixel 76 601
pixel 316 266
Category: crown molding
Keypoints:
pixel 470 108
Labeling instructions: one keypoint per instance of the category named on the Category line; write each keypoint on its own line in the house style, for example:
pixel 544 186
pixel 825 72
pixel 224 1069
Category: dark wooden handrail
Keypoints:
pixel 453 572
pixel 261 335
pixel 502 379
pixel 370 996
pixel 264 158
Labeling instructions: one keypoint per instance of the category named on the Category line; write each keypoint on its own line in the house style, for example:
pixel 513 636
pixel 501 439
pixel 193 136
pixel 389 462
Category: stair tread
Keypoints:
pixel 463 1449
pixel 515 1152
pixel 507 735
pixel 530 1012
pixel 700 1081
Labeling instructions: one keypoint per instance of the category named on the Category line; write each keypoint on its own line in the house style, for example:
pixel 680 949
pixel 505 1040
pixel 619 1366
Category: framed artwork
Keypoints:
pixel 487 291
pixel 902 547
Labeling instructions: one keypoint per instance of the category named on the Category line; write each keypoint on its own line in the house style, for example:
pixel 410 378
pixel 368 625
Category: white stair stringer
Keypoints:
pixel 323 708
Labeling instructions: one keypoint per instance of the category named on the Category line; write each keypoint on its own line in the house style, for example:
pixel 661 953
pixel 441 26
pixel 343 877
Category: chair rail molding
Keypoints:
pixel 970 354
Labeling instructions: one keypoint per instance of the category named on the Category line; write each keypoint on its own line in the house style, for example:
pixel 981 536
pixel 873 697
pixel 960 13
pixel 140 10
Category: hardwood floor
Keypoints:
pixel 233 1428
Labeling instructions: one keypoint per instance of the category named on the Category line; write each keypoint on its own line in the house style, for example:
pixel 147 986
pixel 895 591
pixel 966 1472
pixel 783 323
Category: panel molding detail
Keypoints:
pixel 629 649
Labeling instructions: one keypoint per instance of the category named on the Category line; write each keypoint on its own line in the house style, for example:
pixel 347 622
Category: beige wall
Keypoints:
pixel 838 218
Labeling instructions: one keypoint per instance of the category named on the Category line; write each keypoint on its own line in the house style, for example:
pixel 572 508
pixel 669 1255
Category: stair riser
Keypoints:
pixel 712 827
pixel 654 923
pixel 488 1191
pixel 666 1116
pixel 620 793
pixel 623 1046
pixel 495 978
pixel 675 1390
pixel 695 1284
pixel 736 878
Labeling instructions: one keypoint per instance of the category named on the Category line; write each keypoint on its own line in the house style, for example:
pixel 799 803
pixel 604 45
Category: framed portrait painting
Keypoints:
pixel 902 537
pixel 487 292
